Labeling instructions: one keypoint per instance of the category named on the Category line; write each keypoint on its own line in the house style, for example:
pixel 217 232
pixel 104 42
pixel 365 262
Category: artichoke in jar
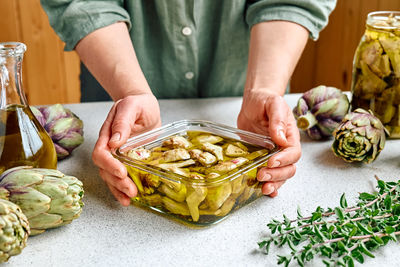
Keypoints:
pixel 360 137
pixel 217 195
pixel 63 126
pixel 175 207
pixel 14 230
pixel 320 110
pixel 195 196
pixel 47 197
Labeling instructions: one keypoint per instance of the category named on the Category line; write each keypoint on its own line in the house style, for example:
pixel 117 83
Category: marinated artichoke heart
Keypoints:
pixel 200 158
pixel 227 166
pixel 205 158
pixel 175 155
pixel 207 138
pixel 139 154
pixel 177 142
pixel 376 72
pixel 216 150
pixel 234 151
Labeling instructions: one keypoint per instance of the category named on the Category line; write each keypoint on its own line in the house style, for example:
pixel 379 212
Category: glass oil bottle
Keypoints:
pixel 23 141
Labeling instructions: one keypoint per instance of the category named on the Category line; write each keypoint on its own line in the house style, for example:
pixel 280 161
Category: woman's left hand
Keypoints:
pixel 267 113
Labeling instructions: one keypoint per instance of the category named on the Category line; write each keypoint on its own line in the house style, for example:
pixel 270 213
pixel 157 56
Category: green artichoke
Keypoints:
pixel 14 230
pixel 47 197
pixel 360 137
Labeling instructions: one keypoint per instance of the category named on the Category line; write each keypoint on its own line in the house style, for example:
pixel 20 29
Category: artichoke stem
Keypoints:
pixel 306 121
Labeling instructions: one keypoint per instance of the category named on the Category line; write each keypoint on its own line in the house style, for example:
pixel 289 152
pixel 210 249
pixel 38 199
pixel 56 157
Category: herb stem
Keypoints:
pixel 348 210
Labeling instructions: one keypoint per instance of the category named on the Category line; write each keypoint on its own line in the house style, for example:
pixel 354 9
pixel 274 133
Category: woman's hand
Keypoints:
pixel 131 115
pixel 267 113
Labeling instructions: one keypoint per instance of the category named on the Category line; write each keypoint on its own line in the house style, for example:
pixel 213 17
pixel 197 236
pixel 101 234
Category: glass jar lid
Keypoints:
pixel 385 20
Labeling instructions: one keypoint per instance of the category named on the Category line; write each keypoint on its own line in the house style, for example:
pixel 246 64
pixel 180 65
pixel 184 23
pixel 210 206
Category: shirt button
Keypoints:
pixel 189 75
pixel 186 31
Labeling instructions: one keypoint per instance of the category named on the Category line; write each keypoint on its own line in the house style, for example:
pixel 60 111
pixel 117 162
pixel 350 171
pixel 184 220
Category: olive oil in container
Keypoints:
pixel 23 141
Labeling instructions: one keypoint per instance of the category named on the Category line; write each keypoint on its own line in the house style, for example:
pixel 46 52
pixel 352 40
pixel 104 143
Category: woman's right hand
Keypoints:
pixel 131 115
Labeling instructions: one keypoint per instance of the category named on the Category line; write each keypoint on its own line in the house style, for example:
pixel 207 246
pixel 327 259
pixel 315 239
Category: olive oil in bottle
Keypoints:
pixel 23 141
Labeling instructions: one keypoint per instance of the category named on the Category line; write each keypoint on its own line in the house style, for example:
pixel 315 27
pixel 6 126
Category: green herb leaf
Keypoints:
pixel 388 202
pixel 281 259
pixel 357 256
pixel 378 240
pixel 299 215
pixel 364 229
pixel 349 261
pixel 262 244
pixel 389 229
pixel 297 234
pixel 393 237
pixel 316 216
pixel 339 213
pixel 319 233
pixel 396 209
pixel 364 250
pixel 327 263
pixel 343 201
pixel 366 196
pixel 300 261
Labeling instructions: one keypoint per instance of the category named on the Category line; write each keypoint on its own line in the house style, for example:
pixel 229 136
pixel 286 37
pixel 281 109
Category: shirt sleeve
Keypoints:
pixel 72 20
pixel 311 14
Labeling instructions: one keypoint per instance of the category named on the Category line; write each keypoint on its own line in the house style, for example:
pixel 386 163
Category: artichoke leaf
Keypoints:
pixel 31 201
pixel 44 221
pixel 53 187
pixel 22 178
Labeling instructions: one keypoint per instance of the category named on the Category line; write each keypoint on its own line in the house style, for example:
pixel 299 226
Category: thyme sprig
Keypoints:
pixel 340 235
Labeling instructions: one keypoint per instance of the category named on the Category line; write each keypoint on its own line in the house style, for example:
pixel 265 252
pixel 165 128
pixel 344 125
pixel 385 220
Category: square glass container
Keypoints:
pixel 203 183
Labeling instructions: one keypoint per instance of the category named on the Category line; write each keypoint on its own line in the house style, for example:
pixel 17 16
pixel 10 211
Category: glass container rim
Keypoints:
pixel 371 18
pixel 12 48
pixel 179 178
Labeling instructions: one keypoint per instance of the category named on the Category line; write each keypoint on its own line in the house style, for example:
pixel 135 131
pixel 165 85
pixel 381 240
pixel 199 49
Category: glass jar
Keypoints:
pixel 23 141
pixel 176 177
pixel 376 70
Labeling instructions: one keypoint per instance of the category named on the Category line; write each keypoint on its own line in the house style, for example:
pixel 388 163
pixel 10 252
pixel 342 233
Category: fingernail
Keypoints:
pixel 266 177
pixel 116 137
pixel 128 192
pixel 275 164
pixel 282 134
pixel 268 189
pixel 117 173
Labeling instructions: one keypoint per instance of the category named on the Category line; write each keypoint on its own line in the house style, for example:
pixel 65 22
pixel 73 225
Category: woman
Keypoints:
pixel 143 50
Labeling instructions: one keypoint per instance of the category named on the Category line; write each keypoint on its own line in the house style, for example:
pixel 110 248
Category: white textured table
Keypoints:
pixel 108 234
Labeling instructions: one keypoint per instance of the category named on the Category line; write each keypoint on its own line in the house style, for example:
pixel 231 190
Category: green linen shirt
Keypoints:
pixel 186 48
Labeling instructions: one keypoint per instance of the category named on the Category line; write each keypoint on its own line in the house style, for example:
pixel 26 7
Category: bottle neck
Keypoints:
pixel 11 90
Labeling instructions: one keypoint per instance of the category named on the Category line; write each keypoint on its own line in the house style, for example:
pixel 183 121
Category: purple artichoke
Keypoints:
pixel 360 137
pixel 63 126
pixel 320 110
